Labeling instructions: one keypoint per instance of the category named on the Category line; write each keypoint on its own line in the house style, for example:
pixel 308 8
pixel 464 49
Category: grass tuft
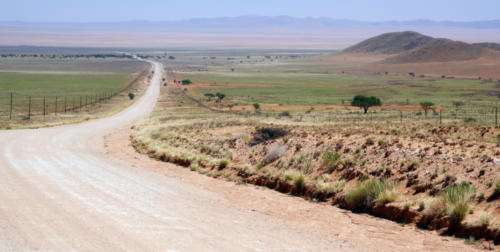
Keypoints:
pixel 366 194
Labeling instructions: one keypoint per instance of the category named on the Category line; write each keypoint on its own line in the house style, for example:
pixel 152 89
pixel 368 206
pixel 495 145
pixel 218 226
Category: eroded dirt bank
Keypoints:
pixel 365 232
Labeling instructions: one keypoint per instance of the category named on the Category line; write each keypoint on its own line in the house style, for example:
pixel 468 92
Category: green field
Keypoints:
pixel 292 80
pixel 33 82
pixel 51 77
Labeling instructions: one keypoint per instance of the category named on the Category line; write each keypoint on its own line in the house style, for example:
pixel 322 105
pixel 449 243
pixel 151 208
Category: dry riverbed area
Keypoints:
pixel 440 178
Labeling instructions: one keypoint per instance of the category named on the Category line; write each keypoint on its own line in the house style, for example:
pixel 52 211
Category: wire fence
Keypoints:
pixel 24 107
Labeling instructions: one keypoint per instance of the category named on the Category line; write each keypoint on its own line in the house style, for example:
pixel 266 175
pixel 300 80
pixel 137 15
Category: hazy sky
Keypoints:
pixel 155 10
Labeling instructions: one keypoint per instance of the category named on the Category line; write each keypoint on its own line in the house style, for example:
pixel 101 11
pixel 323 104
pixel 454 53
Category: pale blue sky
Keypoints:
pixel 157 10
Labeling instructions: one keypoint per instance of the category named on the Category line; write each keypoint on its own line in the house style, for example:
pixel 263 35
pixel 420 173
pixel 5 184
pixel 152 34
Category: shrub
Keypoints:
pixel 367 193
pixel 193 167
pixel 436 207
pixel 330 159
pixel 131 96
pixel 285 113
pixel 223 164
pixel 459 193
pixel 296 176
pixel 264 134
pixel 256 106
pixel 470 120
pixel 331 187
pixel 155 136
pixel 459 212
pixel 485 219
pixel 456 198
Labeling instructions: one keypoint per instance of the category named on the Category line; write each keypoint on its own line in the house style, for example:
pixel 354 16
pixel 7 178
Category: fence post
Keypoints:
pixel 65 100
pixel 496 116
pixel 44 108
pixel 80 108
pixel 10 114
pixel 29 107
pixel 55 107
pixel 401 116
pixel 73 108
pixel 440 116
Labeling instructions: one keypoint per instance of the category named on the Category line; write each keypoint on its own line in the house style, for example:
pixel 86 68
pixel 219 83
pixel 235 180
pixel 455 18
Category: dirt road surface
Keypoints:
pixel 61 191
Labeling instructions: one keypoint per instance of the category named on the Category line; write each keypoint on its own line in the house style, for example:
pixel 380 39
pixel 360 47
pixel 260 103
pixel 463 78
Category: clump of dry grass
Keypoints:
pixel 366 194
pixel 296 176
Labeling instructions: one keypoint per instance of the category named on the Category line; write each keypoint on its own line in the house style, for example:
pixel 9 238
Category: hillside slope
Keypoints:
pixel 450 51
pixel 396 42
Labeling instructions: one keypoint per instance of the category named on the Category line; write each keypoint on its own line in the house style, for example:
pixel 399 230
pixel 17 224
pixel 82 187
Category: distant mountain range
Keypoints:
pixel 236 32
pixel 259 23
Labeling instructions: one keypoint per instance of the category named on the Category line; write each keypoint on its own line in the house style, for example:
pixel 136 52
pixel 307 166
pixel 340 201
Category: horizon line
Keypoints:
pixel 246 16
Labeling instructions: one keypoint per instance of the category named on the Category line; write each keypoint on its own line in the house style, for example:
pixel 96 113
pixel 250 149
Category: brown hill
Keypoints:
pixel 492 46
pixel 450 51
pixel 396 42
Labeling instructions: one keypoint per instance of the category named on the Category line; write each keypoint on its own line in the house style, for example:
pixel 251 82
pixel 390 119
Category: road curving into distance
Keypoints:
pixel 59 191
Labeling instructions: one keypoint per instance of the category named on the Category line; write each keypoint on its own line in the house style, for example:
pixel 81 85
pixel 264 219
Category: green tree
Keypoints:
pixel 220 96
pixel 256 106
pixel 131 96
pixel 209 96
pixel 426 106
pixel 186 82
pixel 365 102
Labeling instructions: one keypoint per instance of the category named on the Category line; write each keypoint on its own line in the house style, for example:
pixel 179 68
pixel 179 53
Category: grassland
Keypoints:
pixel 301 79
pixel 37 85
pixel 397 171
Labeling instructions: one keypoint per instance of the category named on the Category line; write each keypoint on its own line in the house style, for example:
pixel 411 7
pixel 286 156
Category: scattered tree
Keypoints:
pixel 209 96
pixel 220 96
pixel 131 96
pixel 365 102
pixel 426 106
pixel 256 106
pixel 458 104
pixel 412 74
pixel 186 82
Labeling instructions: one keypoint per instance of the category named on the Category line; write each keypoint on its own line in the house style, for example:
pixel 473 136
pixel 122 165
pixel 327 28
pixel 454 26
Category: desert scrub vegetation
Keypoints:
pixel 354 167
pixel 452 201
pixel 296 177
pixel 370 192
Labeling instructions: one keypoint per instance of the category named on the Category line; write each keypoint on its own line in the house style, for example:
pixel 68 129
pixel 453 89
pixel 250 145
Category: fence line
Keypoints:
pixel 23 107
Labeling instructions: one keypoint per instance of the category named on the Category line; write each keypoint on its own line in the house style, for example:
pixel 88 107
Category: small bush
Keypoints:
pixel 421 206
pixel 223 164
pixel 330 159
pixel 459 212
pixel 436 207
pixel 285 113
pixel 332 187
pixel 369 142
pixel 131 96
pixel 296 176
pixel 496 191
pixel 193 167
pixel 264 134
pixel 485 219
pixel 155 136
pixel 367 193
pixel 470 120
